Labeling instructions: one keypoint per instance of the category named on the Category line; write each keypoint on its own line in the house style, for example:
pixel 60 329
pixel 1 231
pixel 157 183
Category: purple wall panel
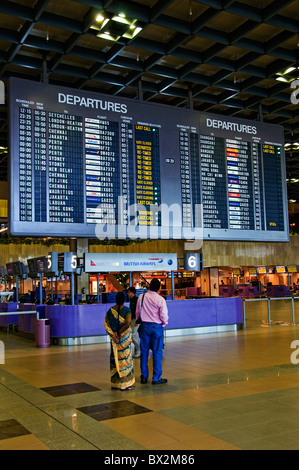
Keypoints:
pixel 76 320
pixel 88 320
pixel 8 307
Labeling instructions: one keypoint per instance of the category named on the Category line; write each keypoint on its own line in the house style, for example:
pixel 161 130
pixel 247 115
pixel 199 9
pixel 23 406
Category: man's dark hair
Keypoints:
pixel 132 289
pixel 155 285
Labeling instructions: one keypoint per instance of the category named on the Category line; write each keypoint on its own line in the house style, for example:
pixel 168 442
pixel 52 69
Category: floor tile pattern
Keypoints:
pixel 112 410
pixel 226 391
pixel 11 428
pixel 69 389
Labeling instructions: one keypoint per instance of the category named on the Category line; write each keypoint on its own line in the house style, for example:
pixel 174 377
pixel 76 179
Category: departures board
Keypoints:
pixel 84 164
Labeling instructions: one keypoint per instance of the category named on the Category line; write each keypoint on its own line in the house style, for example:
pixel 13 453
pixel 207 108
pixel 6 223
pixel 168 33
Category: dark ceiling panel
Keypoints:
pixel 224 54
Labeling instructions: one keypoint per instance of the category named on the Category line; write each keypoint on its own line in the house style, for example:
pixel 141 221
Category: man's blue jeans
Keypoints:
pixel 151 337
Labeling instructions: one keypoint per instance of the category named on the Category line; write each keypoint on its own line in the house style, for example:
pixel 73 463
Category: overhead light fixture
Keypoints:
pixel 114 27
pixel 107 36
pixel 282 79
pixel 289 70
pixel 133 31
pixel 100 18
pixel 121 18
pixel 289 147
pixel 288 75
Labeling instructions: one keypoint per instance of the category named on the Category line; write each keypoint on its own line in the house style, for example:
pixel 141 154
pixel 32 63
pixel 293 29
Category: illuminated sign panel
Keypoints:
pixel 280 269
pixel 193 262
pixel 89 165
pixel 252 271
pixel 292 269
pixel 262 270
pixel 125 262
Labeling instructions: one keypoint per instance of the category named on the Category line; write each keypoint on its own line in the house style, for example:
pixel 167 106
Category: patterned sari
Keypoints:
pixel 121 357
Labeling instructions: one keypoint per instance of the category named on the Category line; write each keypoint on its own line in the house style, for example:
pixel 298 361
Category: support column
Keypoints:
pixel 214 282
pixel 83 280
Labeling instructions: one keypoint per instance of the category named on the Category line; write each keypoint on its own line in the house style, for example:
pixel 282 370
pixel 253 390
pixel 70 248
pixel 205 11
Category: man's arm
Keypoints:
pixel 164 312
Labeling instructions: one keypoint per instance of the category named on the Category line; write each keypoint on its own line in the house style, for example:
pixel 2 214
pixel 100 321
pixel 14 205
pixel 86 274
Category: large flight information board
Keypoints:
pixel 89 165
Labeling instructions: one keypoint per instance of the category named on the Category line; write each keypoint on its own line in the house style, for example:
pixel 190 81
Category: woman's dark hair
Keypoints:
pixel 120 299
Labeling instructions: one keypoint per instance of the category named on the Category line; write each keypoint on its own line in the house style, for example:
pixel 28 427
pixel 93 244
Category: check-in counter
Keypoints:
pixel 27 322
pixel 226 291
pixel 193 292
pixel 6 320
pixel 278 291
pixel 248 291
pixel 79 324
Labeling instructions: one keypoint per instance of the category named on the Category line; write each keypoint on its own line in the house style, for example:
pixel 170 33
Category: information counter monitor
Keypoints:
pixel 92 165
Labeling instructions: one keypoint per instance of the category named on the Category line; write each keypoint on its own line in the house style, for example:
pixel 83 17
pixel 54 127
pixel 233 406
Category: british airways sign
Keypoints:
pixel 126 262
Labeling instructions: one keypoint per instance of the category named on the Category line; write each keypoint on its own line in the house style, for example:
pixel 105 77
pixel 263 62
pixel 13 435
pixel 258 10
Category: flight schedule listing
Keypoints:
pixel 227 179
pixel 81 160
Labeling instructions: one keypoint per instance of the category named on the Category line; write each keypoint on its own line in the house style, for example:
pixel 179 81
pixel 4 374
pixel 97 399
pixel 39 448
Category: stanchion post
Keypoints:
pixel 17 289
pixel 293 310
pixel 98 288
pixel 172 285
pixel 40 288
pixel 73 288
pixel 244 317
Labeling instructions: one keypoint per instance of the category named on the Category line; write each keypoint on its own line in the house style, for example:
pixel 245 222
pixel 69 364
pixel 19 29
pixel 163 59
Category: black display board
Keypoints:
pixel 89 165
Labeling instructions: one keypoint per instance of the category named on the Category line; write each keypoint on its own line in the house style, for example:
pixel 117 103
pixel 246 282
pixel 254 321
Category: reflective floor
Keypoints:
pixel 225 391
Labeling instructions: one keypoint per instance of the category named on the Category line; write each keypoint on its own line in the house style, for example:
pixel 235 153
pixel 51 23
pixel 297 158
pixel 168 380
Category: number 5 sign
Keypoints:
pixel 70 262
pixel 193 262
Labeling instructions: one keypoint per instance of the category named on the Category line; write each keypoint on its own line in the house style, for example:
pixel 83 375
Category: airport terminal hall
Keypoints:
pixel 149 227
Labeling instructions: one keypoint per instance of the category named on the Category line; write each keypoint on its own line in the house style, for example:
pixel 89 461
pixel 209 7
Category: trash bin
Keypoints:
pixel 42 333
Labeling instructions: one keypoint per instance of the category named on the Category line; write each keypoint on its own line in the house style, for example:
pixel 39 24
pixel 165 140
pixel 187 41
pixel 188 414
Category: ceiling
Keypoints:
pixel 221 56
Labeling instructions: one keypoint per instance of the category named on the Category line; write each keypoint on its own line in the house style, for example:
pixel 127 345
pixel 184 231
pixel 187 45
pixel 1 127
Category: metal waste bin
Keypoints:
pixel 42 333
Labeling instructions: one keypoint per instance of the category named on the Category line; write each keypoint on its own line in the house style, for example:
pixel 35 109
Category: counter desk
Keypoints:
pixel 84 324
pixel 6 320
pixel 26 323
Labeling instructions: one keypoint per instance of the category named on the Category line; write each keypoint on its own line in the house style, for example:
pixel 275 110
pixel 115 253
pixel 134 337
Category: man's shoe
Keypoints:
pixel 136 355
pixel 160 381
pixel 143 380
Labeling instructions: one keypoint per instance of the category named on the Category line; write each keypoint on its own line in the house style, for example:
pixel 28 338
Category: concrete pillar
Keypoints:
pixel 83 280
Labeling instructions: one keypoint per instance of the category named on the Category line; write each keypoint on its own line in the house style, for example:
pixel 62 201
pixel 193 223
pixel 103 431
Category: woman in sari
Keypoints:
pixel 117 324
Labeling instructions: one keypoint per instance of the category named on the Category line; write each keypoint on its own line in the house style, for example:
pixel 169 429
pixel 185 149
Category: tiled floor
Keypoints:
pixel 226 391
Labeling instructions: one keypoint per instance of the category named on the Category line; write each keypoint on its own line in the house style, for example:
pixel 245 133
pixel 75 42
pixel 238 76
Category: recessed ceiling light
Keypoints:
pixel 120 19
pixel 289 70
pixel 107 36
pixel 100 18
pixel 129 29
pixel 281 79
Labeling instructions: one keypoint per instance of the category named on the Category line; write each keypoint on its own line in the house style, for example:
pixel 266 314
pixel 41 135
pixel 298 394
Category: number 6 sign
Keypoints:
pixel 193 262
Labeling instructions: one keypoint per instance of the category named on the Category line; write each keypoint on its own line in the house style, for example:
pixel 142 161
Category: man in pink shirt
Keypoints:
pixel 152 311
